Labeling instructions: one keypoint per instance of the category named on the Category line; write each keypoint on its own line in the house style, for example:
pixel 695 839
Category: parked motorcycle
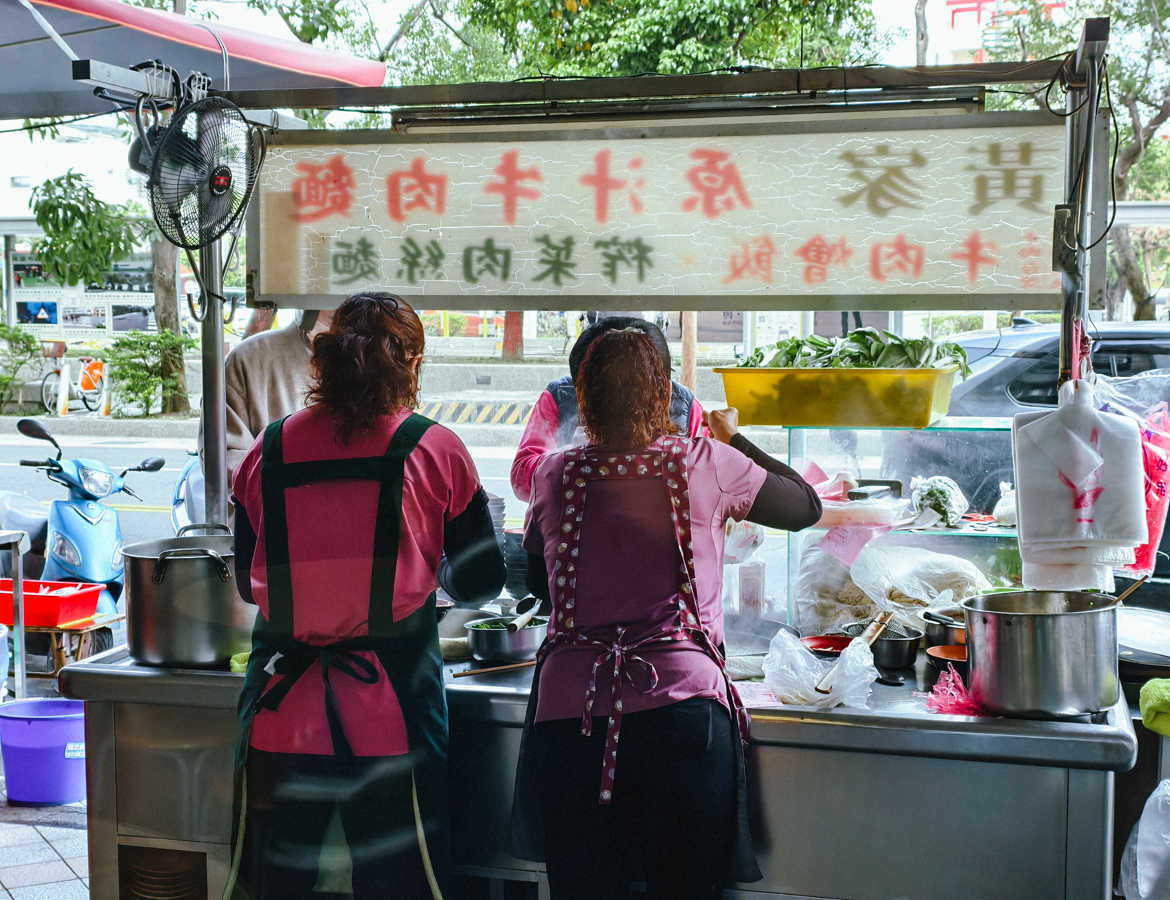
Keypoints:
pixel 78 539
pixel 187 501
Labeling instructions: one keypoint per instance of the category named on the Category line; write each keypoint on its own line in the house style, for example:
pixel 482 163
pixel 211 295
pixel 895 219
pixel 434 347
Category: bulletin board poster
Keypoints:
pixel 124 301
pixel 815 212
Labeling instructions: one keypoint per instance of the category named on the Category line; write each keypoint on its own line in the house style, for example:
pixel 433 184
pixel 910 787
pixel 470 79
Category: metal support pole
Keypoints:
pixel 688 375
pixel 9 281
pixel 214 399
pixel 17 543
pixel 1079 177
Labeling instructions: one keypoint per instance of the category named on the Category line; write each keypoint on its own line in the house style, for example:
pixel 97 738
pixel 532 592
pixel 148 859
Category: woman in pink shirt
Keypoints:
pixel 344 512
pixel 625 536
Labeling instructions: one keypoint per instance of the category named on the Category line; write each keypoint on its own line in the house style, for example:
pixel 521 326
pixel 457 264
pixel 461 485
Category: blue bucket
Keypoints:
pixel 43 743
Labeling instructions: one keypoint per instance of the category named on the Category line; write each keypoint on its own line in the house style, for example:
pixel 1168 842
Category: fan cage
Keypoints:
pixel 203 172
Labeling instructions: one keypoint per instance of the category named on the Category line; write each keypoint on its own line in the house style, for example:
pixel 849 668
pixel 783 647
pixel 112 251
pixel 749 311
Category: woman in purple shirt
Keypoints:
pixel 625 536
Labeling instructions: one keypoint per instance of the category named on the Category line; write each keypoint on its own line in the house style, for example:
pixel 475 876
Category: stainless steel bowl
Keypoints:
pixel 938 634
pixel 501 645
pixel 890 650
pixel 1042 654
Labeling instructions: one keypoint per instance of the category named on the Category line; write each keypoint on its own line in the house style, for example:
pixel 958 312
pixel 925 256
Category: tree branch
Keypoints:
pixel 404 26
pixel 455 31
pixel 1157 23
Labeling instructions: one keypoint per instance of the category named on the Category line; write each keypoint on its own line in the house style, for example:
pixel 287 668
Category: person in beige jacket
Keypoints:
pixel 265 380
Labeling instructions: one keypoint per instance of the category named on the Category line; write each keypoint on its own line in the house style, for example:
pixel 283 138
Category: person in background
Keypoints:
pixel 554 421
pixel 626 537
pixel 266 378
pixel 343 511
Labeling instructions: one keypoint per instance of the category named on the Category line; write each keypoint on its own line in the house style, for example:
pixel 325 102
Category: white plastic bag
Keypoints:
pixel 1005 510
pixel 902 579
pixel 1145 864
pixel 741 539
pixel 792 673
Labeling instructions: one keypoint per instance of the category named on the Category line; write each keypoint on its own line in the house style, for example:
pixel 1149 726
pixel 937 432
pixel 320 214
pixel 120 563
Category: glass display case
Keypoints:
pixel 974 452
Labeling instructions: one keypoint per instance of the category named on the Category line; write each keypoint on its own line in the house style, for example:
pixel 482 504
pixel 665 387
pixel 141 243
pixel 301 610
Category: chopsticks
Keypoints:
pixel 523 665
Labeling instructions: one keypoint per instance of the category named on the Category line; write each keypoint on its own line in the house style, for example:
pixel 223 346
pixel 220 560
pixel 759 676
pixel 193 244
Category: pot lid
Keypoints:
pixel 1146 631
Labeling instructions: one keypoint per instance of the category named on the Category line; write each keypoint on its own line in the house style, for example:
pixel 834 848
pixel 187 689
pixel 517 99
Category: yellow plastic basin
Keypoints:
pixel 839 398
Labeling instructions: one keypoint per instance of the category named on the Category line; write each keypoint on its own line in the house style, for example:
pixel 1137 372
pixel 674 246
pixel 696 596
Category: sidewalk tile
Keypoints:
pixel 70 847
pixel 80 865
pixel 25 854
pixel 38 873
pixel 64 890
pixel 55 832
pixel 17 834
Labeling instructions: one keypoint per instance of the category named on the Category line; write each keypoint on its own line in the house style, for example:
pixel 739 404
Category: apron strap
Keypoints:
pixel 388 470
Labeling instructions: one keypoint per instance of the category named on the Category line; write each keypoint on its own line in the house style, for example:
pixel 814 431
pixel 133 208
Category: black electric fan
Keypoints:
pixel 202 173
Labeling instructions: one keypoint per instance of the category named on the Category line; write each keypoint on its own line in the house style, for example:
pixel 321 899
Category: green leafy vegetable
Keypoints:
pixel 865 348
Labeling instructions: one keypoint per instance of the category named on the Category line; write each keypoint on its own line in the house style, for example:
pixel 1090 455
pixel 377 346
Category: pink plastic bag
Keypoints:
pixel 950 696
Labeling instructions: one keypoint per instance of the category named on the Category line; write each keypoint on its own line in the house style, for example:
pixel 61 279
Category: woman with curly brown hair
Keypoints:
pixel 344 512
pixel 625 536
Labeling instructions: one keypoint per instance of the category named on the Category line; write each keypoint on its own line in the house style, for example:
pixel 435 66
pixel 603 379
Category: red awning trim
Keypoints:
pixel 290 56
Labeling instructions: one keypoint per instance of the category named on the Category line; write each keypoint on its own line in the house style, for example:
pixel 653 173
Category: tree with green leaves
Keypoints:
pixel 84 236
pixel 1139 91
pixel 639 37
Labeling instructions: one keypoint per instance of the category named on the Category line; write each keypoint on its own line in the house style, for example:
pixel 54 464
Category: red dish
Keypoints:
pixel 827 644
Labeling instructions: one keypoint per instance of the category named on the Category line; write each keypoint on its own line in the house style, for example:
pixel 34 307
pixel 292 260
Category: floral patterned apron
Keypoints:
pixel 583 465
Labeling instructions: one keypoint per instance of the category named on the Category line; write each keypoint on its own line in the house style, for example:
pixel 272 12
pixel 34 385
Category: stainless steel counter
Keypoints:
pixel 870 804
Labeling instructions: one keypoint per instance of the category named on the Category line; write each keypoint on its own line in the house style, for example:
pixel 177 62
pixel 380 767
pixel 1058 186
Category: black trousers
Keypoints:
pixel 670 821
pixel 291 798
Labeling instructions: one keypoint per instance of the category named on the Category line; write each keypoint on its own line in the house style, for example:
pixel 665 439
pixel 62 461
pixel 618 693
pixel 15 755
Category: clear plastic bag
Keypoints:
pixel 940 494
pixel 792 672
pixel 825 596
pixel 1145 864
pixel 902 580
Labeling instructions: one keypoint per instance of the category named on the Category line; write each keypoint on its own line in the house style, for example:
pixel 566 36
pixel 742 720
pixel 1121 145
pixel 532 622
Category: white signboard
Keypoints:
pixel 954 211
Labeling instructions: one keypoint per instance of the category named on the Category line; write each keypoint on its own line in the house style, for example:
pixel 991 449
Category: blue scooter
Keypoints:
pixel 187 501
pixel 81 538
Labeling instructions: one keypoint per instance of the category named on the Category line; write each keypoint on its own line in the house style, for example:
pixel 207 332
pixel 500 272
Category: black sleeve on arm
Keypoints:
pixel 472 570
pixel 245 550
pixel 785 500
pixel 536 575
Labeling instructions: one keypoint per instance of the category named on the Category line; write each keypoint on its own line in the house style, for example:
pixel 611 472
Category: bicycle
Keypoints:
pixel 89 385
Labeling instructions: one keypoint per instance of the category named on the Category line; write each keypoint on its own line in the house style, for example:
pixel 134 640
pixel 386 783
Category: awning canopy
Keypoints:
pixel 38 77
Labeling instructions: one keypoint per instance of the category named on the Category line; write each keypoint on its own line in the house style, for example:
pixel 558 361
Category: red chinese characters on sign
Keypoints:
pixel 509 186
pixel 415 188
pixel 716 181
pixel 898 256
pixel 604 184
pixel 1033 272
pixel 323 190
pixel 973 253
pixel 819 254
pixel 753 260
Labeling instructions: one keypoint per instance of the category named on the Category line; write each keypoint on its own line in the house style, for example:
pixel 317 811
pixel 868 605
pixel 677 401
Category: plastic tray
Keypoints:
pixel 839 398
pixel 43 609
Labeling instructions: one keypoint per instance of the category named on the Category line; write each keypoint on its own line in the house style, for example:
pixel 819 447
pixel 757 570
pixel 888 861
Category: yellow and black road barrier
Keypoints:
pixel 472 412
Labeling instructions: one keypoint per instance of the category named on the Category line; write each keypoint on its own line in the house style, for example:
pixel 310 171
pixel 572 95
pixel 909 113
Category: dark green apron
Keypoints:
pixel 408 649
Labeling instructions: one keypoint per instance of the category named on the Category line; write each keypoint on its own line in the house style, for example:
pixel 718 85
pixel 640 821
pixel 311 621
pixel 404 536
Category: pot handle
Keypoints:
pixel 160 564
pixel 202 526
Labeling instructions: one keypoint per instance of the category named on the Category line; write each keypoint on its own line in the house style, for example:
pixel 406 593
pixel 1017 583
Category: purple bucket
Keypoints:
pixel 43 743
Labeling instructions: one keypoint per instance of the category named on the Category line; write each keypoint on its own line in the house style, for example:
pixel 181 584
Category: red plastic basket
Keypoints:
pixel 48 604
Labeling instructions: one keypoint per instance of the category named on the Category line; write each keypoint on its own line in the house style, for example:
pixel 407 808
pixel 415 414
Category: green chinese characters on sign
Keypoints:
pixel 354 262
pixel 418 263
pixel 486 259
pixel 1007 174
pixel 619 256
pixel 556 259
